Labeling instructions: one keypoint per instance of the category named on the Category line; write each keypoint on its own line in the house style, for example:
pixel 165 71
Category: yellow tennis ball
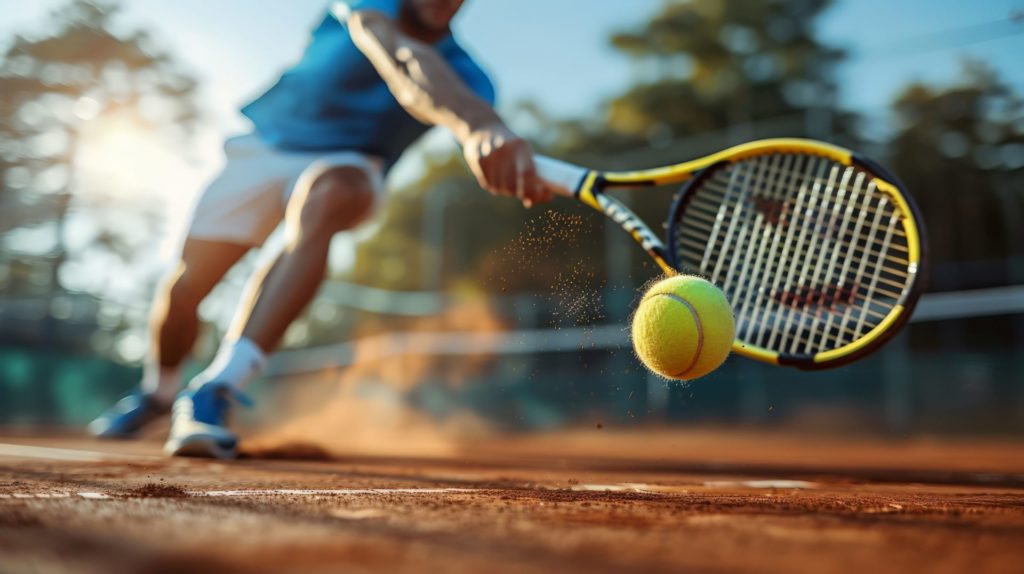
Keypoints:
pixel 683 328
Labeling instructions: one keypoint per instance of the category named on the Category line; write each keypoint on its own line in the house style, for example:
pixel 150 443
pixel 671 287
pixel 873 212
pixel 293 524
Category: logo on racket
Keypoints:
pixel 630 222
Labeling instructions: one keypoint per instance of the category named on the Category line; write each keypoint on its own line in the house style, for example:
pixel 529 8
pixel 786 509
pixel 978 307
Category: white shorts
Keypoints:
pixel 246 201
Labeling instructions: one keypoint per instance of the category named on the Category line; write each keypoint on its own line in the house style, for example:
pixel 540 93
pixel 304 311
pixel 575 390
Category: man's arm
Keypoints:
pixel 426 86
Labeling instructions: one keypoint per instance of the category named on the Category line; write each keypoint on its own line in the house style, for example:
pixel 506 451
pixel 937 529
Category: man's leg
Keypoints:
pixel 325 202
pixel 174 325
pixel 336 199
pixel 174 320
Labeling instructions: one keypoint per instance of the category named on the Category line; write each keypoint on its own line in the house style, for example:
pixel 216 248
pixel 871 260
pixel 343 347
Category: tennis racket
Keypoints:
pixel 820 251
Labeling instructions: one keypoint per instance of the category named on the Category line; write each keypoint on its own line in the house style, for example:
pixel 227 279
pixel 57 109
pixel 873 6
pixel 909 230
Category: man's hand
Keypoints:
pixel 426 86
pixel 503 164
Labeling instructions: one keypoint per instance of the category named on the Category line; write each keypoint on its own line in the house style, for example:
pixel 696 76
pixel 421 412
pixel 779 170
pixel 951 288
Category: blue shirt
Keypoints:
pixel 334 99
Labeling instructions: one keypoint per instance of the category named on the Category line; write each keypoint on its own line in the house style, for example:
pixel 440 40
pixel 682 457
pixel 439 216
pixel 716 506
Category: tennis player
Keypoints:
pixel 375 76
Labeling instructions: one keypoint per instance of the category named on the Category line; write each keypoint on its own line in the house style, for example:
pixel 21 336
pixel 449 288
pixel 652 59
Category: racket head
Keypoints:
pixel 821 252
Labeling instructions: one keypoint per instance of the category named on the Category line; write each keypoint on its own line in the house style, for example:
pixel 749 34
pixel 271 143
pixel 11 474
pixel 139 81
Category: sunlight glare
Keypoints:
pixel 121 160
pixel 86 108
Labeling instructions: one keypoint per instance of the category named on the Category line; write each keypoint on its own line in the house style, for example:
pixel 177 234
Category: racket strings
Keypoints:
pixel 790 324
pixel 792 320
pixel 789 257
pixel 810 263
pixel 810 252
pixel 711 208
pixel 695 236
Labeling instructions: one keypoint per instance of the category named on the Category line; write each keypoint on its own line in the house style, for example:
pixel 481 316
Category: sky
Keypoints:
pixel 554 52
pixel 239 46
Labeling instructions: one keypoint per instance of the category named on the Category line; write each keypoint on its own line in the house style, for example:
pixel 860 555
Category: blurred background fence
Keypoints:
pixel 446 354
pixel 455 301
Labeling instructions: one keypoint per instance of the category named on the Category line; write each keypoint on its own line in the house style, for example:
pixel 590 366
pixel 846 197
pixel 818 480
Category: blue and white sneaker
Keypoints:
pixel 128 415
pixel 198 422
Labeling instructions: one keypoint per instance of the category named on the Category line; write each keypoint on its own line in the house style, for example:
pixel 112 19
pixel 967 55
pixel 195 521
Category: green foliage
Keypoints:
pixel 960 150
pixel 79 72
pixel 713 73
pixel 445 232
pixel 707 65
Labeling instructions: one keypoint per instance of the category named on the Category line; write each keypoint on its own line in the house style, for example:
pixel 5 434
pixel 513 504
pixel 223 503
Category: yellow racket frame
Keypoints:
pixel 594 183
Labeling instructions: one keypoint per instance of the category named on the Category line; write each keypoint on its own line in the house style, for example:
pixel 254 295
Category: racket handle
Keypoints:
pixel 562 178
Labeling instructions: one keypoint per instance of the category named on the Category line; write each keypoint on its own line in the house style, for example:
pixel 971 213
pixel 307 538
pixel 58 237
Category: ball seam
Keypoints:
pixel 700 333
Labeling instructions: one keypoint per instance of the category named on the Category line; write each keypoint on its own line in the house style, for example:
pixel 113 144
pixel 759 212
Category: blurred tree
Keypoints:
pixel 444 232
pixel 744 68
pixel 725 70
pixel 960 150
pixel 80 76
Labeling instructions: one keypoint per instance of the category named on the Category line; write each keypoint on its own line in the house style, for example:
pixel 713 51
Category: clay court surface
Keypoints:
pixel 593 501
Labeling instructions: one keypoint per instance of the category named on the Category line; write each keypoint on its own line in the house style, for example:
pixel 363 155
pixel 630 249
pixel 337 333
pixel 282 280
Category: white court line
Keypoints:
pixel 637 487
pixel 623 487
pixel 661 489
pixel 241 493
pixel 798 484
pixel 91 495
pixel 25 451
pixel 607 488
pixel 326 492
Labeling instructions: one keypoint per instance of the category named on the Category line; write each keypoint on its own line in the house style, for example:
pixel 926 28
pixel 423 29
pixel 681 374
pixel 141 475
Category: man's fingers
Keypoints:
pixel 505 166
pixel 541 194
pixel 529 186
pixel 535 189
pixel 507 175
pixel 481 176
pixel 492 174
pixel 527 173
pixel 524 176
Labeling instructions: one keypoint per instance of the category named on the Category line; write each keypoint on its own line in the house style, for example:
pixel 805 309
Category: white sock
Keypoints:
pixel 236 363
pixel 161 383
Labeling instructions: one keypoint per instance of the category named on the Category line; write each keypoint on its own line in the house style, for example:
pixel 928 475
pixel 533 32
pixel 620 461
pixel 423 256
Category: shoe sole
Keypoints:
pixel 105 430
pixel 107 435
pixel 199 447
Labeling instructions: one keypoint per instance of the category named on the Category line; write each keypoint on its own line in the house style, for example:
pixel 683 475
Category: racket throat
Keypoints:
pixel 636 228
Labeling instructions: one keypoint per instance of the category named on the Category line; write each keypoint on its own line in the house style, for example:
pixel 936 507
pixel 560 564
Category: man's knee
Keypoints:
pixel 339 198
pixel 183 290
pixel 201 265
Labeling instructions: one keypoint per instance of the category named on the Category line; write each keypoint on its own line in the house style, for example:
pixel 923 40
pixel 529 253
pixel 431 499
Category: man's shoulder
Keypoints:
pixel 342 9
pixel 468 68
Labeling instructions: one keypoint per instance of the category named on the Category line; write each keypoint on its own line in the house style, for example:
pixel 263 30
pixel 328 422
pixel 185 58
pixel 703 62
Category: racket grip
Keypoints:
pixel 562 178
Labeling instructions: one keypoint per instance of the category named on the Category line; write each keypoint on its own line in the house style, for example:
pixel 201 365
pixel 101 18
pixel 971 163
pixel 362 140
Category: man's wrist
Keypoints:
pixel 475 123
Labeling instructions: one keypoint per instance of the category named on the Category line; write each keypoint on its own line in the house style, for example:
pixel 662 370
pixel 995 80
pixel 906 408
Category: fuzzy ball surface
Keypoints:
pixel 683 327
